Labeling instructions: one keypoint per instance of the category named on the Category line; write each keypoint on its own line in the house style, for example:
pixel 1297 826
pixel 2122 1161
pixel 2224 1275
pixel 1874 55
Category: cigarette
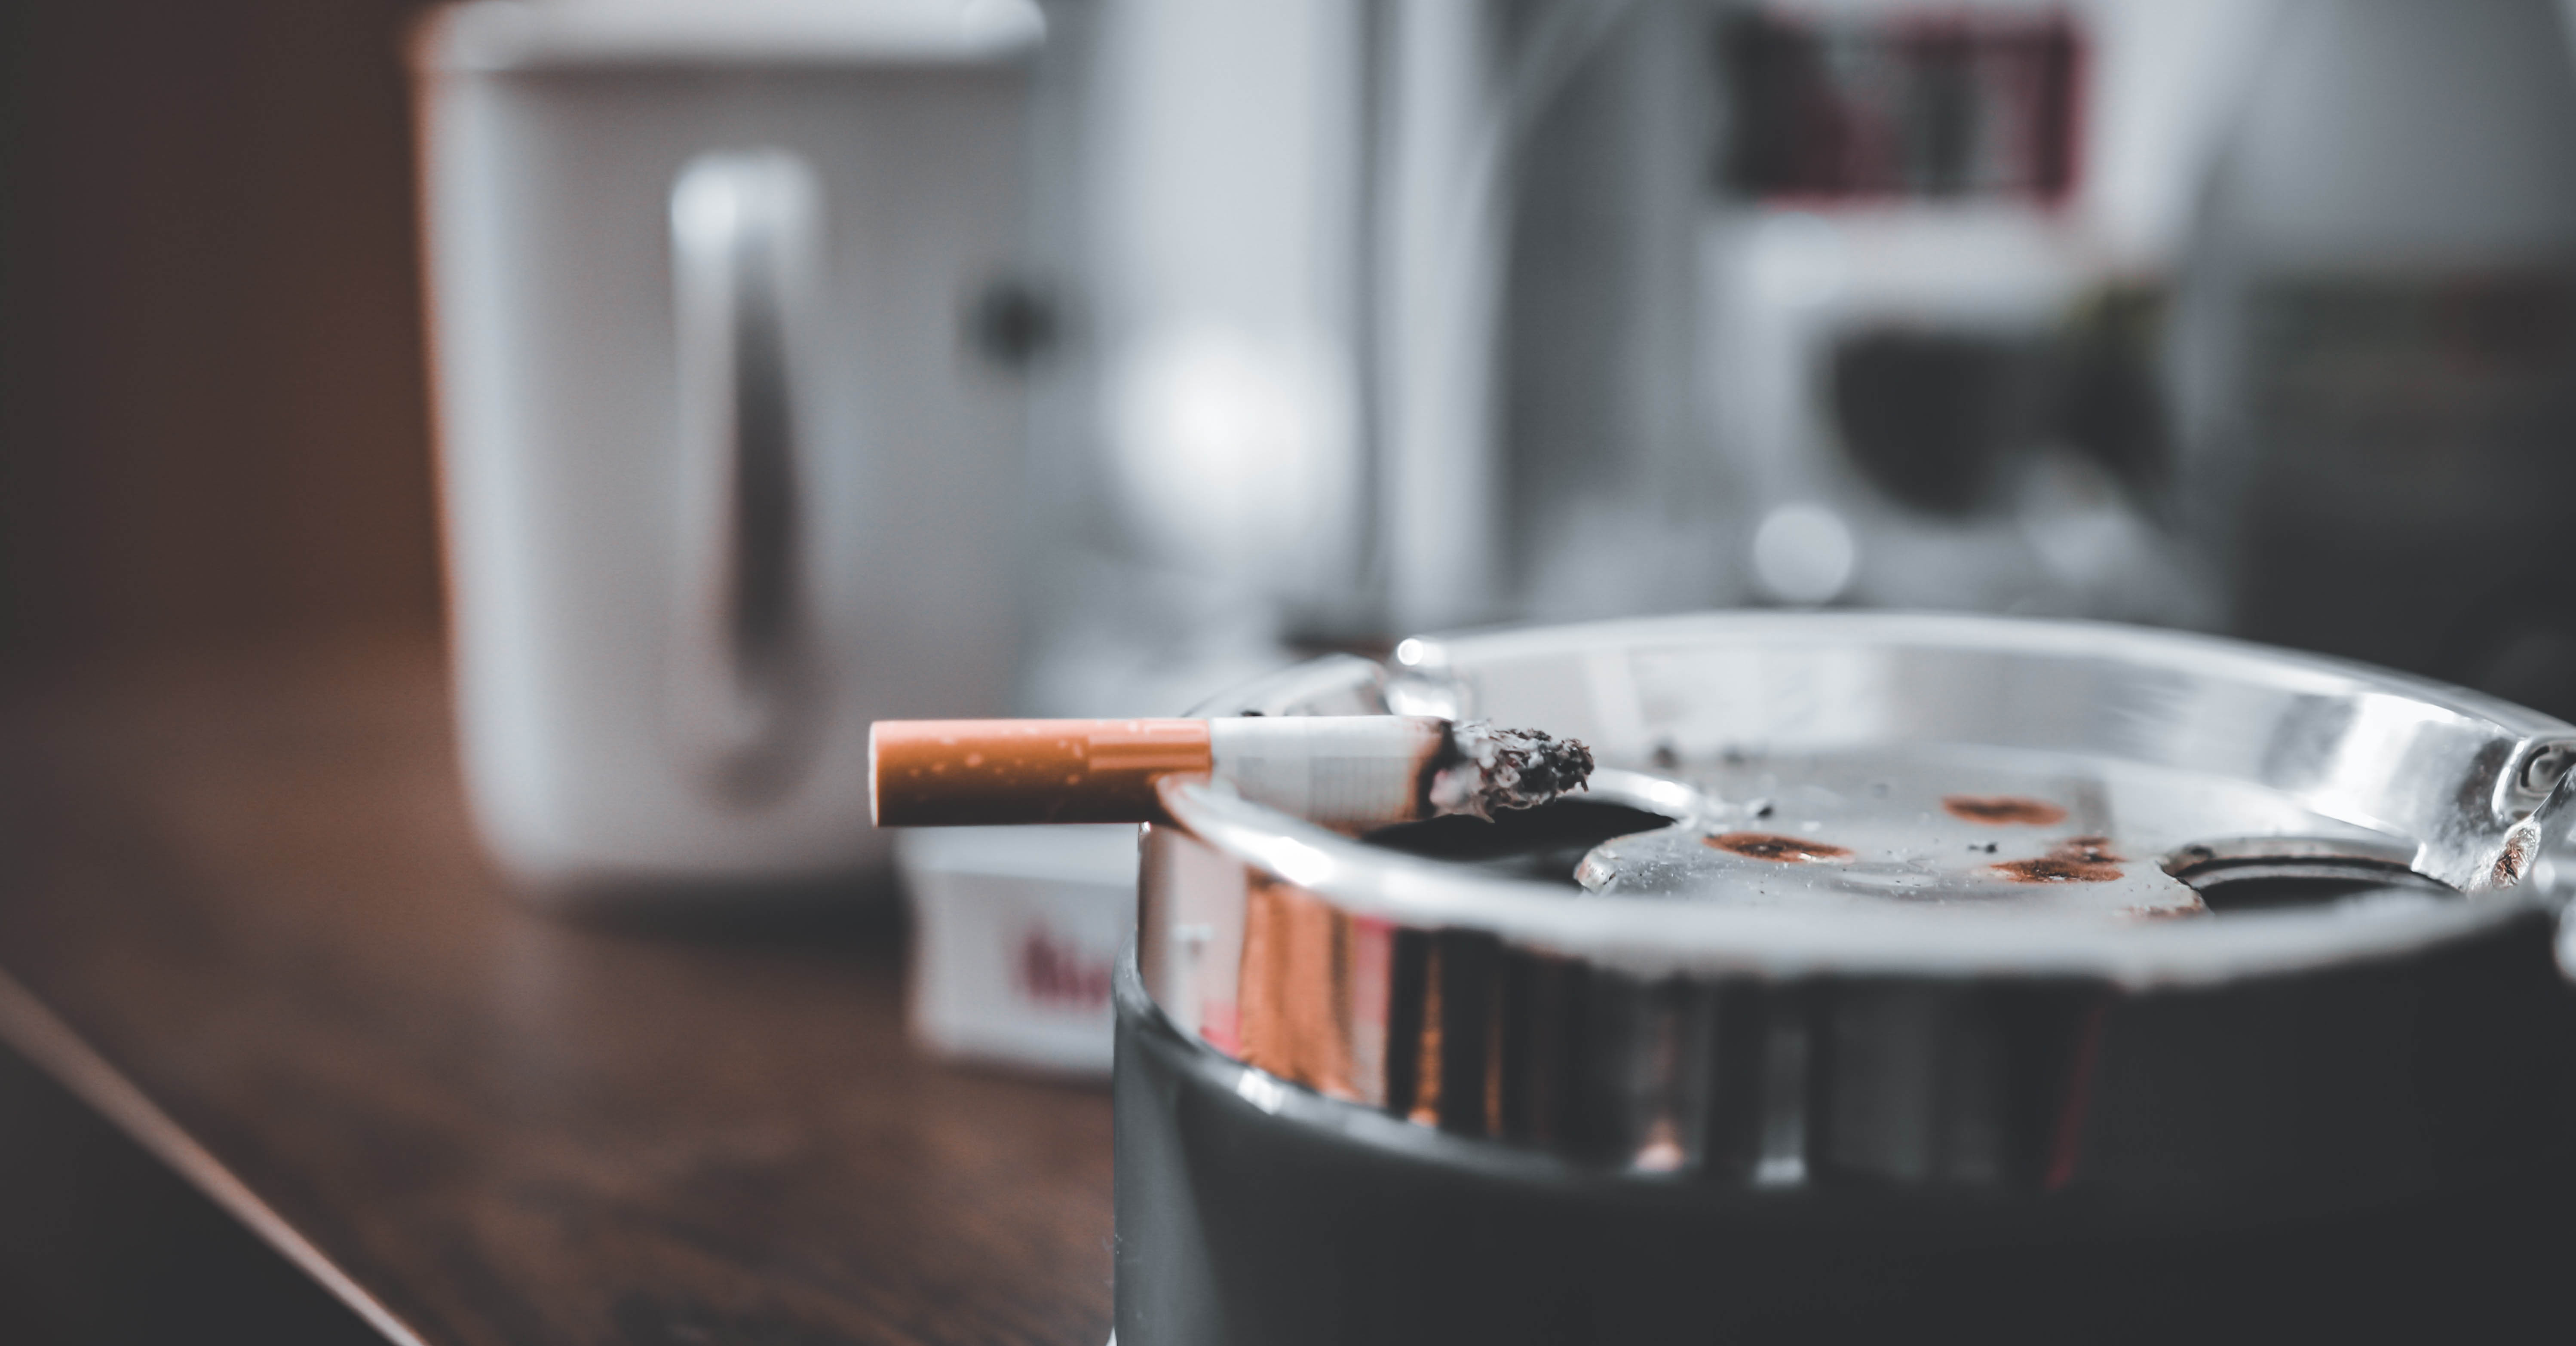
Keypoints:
pixel 1352 772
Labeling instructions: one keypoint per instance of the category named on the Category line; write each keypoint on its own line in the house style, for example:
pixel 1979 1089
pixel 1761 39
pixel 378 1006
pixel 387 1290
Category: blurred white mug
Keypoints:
pixel 724 474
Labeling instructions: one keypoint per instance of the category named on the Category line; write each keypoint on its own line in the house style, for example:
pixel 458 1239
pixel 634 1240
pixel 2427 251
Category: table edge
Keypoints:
pixel 38 1034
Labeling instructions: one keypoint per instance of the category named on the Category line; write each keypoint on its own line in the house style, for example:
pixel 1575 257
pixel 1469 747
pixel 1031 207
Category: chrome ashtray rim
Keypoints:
pixel 1650 939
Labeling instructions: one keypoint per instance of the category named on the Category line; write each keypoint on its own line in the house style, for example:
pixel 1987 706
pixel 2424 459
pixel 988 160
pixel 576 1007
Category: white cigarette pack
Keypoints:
pixel 1015 931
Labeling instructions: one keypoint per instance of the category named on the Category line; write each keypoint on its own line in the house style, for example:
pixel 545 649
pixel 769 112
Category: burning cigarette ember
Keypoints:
pixel 1351 772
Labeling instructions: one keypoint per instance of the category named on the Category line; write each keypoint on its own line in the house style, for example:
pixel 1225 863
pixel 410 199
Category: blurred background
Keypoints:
pixel 214 412
pixel 2249 316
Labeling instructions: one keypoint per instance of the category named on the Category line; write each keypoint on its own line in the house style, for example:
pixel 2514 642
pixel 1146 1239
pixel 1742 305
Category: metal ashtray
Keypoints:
pixel 1900 972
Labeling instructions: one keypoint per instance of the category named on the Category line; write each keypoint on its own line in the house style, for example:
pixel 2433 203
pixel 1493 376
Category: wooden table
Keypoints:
pixel 241 916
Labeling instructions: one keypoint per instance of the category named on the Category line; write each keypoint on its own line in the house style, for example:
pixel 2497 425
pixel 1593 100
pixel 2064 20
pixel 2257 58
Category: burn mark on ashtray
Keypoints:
pixel 2509 863
pixel 1772 846
pixel 1999 810
pixel 2074 860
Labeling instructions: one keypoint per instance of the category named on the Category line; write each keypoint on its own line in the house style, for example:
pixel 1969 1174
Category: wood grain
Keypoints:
pixel 248 888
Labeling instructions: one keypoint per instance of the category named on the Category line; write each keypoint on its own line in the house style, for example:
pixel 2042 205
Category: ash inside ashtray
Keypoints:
pixel 1930 827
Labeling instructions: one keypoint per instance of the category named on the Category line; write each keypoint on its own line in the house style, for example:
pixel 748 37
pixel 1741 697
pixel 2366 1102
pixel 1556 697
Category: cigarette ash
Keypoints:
pixel 2036 835
pixel 1885 829
pixel 1488 769
pixel 1952 827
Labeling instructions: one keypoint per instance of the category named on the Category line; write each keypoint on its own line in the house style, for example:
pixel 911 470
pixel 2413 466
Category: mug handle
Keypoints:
pixel 746 246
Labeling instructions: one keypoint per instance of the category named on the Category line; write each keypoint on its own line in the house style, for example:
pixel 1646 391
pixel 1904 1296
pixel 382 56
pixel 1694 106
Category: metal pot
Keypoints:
pixel 1365 1095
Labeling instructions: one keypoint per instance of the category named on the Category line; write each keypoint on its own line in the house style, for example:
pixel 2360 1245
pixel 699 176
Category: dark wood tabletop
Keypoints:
pixel 242 917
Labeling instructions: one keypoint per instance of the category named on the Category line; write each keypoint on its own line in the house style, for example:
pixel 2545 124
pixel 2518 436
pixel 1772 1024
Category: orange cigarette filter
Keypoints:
pixel 945 773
